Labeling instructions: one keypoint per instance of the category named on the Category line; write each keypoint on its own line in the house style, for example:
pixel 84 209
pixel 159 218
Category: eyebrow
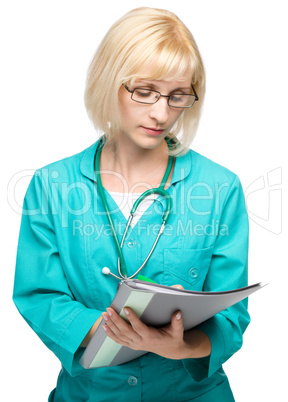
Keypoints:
pixel 149 83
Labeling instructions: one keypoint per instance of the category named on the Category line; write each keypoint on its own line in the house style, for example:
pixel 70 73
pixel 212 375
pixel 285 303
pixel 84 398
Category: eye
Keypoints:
pixel 142 93
pixel 176 98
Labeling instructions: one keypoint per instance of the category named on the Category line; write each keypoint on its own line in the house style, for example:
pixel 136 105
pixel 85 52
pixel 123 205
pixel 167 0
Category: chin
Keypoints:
pixel 151 142
pixel 141 140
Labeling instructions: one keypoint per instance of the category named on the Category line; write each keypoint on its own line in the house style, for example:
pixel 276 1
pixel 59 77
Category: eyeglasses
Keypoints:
pixel 149 96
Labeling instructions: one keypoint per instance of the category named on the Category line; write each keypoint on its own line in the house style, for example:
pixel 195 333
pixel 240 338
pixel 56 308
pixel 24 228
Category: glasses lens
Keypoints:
pixel 145 95
pixel 180 100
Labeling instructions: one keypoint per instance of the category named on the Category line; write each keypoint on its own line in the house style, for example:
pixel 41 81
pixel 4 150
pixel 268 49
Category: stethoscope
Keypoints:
pixel 122 270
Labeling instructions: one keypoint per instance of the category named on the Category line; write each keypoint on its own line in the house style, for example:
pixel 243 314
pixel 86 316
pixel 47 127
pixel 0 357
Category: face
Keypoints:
pixel 143 125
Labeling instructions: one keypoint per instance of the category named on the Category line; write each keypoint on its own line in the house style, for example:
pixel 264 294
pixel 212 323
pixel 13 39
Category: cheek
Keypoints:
pixel 125 114
pixel 129 115
pixel 129 112
pixel 124 105
pixel 175 115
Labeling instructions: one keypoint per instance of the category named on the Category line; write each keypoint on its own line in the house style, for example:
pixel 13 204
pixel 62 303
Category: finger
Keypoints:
pixel 177 286
pixel 114 337
pixel 120 327
pixel 111 324
pixel 136 323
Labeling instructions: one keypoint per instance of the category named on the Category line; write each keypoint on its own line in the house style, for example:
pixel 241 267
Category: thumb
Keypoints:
pixel 177 286
pixel 177 321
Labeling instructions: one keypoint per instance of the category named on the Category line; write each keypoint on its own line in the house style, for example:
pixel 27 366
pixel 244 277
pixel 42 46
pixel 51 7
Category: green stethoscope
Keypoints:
pixel 122 270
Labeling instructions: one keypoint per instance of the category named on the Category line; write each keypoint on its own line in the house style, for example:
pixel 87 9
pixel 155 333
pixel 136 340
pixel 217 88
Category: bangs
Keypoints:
pixel 161 56
pixel 169 63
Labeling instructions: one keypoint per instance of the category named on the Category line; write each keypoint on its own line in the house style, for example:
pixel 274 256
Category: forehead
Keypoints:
pixel 157 76
pixel 164 85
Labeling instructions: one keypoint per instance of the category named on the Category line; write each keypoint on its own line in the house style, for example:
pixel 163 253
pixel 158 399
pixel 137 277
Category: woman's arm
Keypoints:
pixel 198 344
pixel 41 291
pixel 228 270
pixel 90 334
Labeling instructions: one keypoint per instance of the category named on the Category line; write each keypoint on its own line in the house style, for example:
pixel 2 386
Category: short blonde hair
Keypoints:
pixel 144 39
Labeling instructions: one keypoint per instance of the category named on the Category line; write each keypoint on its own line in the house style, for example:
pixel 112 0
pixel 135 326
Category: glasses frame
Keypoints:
pixel 163 96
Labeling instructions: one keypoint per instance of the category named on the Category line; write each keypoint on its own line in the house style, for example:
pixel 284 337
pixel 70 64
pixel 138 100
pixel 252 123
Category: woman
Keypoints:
pixel 145 87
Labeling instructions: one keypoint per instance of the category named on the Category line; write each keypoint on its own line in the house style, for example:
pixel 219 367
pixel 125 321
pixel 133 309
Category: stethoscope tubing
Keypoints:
pixel 159 190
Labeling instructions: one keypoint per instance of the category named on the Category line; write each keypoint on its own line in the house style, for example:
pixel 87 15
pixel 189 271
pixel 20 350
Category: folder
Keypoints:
pixel 155 304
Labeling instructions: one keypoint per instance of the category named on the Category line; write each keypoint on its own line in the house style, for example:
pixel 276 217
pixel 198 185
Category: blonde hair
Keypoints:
pixel 144 39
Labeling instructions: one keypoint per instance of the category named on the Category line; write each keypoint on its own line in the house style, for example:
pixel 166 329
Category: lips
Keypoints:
pixel 152 131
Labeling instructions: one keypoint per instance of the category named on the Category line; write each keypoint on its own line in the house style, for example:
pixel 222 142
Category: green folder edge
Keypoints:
pixel 110 348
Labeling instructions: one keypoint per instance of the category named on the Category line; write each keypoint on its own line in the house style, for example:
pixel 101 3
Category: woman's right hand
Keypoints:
pixel 92 330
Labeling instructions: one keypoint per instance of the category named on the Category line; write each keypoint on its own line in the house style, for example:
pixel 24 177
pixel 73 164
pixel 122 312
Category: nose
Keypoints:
pixel 160 110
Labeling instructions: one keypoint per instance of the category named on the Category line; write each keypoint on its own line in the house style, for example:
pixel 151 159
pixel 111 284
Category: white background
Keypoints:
pixel 45 51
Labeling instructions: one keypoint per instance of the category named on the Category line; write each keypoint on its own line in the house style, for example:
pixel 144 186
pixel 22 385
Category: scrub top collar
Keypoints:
pixel 181 171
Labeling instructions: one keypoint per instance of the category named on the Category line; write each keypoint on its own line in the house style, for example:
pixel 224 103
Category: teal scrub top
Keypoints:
pixel 60 290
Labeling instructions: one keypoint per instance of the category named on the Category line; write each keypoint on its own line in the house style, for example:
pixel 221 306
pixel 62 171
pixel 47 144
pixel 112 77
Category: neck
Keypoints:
pixel 134 168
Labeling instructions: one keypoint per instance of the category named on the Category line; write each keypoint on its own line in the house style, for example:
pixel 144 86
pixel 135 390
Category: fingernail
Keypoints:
pixel 105 317
pixel 126 311
pixel 105 329
pixel 178 316
pixel 109 312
